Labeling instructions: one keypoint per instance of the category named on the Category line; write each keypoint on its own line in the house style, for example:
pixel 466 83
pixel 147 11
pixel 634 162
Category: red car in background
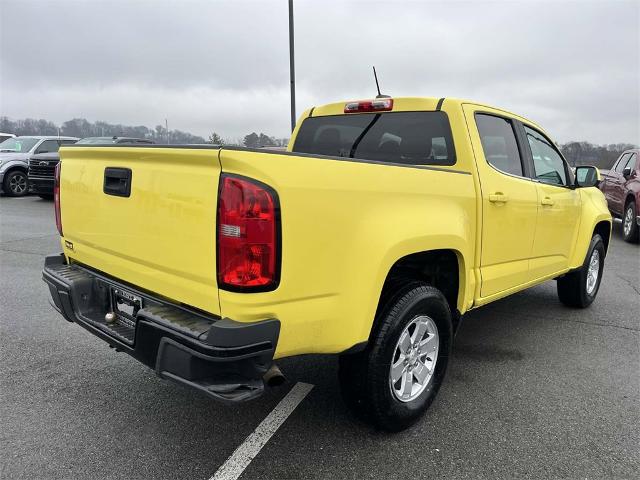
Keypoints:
pixel 621 187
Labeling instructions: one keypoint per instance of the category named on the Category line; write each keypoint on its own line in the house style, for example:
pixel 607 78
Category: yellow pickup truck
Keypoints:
pixel 383 222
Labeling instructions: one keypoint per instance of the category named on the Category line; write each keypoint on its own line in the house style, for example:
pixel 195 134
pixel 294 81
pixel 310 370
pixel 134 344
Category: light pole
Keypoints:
pixel 292 71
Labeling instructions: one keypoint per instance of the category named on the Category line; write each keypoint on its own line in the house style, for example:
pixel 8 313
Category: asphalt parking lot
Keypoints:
pixel 534 390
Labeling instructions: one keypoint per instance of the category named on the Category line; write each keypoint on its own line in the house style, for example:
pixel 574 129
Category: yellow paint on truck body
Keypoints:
pixel 162 237
pixel 345 223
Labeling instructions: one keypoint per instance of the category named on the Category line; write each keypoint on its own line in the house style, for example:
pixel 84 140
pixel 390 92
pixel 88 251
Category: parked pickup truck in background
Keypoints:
pixel 42 165
pixel 621 187
pixel 41 173
pixel 382 224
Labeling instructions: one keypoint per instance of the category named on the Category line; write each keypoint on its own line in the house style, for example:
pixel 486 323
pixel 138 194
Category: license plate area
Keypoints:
pixel 125 306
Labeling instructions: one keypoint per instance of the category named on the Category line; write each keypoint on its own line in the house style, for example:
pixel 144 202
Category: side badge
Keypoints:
pixel 68 245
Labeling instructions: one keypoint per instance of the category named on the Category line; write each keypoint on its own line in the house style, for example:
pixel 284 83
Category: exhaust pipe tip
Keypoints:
pixel 274 377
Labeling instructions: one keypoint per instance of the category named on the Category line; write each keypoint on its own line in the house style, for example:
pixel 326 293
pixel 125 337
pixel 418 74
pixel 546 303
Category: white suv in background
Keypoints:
pixel 14 159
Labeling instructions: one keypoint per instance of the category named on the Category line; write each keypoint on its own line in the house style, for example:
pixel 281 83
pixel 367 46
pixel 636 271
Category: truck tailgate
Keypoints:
pixel 162 236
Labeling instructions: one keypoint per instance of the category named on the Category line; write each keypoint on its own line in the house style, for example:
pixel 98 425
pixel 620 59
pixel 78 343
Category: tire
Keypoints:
pixel 365 377
pixel 630 229
pixel 579 288
pixel 16 183
pixel 45 196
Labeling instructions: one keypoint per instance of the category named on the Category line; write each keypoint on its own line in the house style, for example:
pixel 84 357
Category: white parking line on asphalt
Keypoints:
pixel 233 467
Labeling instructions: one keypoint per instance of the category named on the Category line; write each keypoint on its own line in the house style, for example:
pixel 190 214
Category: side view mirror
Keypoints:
pixel 626 173
pixel 587 176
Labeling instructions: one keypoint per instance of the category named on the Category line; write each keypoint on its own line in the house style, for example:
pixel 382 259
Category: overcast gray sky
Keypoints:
pixel 207 65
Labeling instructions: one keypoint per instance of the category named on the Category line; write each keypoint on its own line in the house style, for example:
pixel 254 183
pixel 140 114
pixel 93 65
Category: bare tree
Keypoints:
pixel 216 139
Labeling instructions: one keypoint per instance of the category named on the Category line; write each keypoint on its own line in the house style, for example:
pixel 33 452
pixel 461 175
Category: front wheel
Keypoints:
pixel 580 287
pixel 395 379
pixel 630 228
pixel 16 183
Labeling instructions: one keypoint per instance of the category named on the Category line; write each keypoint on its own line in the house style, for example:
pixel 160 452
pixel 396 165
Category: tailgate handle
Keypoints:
pixel 117 181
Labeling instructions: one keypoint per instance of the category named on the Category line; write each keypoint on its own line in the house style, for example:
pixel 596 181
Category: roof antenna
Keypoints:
pixel 375 75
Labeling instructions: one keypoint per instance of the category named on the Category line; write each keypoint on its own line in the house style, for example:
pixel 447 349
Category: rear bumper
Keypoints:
pixel 41 185
pixel 222 358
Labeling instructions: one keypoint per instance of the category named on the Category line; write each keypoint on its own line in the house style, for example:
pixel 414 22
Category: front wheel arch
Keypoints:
pixel 25 170
pixel 573 288
pixel 604 230
pixel 631 197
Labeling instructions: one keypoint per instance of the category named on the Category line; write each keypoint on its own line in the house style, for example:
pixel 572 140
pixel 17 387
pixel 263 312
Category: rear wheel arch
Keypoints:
pixel 441 269
pixel 368 378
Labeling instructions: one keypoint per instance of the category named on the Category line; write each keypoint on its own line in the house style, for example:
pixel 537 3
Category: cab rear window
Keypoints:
pixel 412 138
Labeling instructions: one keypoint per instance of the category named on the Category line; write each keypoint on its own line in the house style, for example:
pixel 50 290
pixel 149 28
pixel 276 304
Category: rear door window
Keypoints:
pixel 412 138
pixel 499 144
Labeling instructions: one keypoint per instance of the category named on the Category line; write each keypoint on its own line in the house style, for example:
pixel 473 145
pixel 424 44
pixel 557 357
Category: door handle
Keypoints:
pixel 498 197
pixel 117 181
pixel 547 201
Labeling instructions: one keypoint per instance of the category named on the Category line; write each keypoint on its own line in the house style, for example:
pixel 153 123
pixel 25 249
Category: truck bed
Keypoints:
pixel 163 236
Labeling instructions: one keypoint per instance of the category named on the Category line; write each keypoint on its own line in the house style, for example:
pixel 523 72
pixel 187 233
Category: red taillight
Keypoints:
pixel 377 105
pixel 56 197
pixel 248 231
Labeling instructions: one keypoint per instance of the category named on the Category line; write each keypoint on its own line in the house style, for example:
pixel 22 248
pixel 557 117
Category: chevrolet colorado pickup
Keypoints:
pixel 383 223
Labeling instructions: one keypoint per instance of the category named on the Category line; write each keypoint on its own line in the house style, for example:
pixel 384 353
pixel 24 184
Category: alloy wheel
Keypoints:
pixel 414 358
pixel 628 222
pixel 18 184
pixel 593 271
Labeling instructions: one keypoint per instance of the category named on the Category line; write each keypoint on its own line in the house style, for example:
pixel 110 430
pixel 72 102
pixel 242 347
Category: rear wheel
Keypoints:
pixel 630 229
pixel 395 379
pixel 15 183
pixel 580 287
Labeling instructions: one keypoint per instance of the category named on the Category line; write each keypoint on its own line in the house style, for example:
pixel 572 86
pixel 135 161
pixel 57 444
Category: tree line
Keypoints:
pixel 81 128
pixel 576 153
pixel 585 153
pixel 252 140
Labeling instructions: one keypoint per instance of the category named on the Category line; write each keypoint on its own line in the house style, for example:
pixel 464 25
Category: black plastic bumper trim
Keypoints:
pixel 222 358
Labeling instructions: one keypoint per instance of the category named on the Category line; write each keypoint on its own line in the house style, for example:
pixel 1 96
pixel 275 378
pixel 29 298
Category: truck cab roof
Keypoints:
pixel 404 104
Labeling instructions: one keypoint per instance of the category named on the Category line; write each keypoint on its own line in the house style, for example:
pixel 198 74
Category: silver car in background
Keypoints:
pixel 14 159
